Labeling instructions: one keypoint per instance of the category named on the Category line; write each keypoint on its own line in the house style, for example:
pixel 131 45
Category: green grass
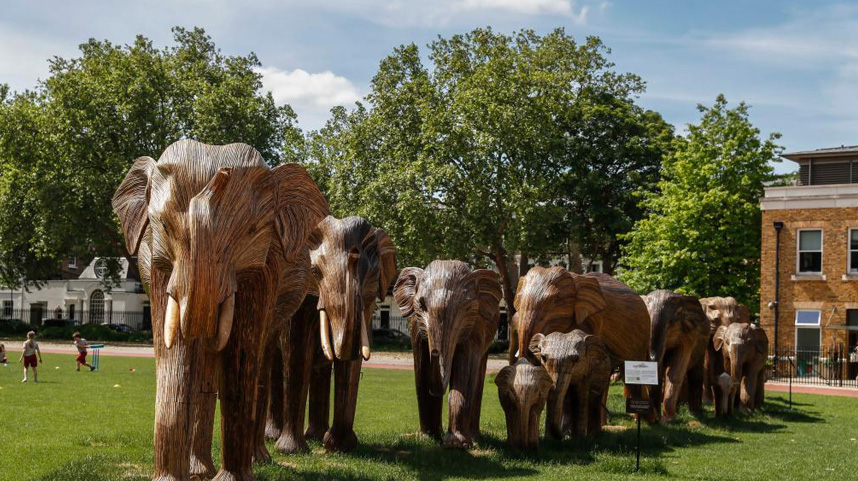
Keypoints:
pixel 98 426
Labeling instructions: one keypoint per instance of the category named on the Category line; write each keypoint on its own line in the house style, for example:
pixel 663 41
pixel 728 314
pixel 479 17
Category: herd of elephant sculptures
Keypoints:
pixel 258 297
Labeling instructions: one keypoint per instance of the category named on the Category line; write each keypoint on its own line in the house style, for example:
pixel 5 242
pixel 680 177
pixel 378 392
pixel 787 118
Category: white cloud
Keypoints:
pixel 311 94
pixel 527 7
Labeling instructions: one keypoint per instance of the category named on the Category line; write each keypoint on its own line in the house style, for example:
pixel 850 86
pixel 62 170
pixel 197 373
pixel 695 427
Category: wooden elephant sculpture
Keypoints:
pixel 580 369
pixel 523 389
pixel 678 336
pixel 555 300
pixel 746 349
pixel 221 241
pixel 353 263
pixel 454 314
pixel 720 311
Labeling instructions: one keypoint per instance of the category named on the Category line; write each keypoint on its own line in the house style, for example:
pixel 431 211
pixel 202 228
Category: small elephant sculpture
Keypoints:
pixel 580 369
pixel 523 389
pixel 745 348
pixel 720 311
pixel 722 390
pixel 678 340
pixel 454 314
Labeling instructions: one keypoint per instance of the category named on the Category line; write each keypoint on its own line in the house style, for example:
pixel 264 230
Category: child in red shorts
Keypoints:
pixel 28 356
pixel 81 345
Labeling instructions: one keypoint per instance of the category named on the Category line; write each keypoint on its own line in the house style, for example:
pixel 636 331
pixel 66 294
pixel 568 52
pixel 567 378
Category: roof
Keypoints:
pixel 826 152
pixel 94 269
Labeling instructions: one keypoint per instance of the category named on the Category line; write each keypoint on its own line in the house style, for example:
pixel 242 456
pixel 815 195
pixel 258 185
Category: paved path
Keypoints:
pixel 393 360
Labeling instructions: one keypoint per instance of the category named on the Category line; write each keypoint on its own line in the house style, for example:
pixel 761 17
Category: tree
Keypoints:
pixel 475 159
pixel 66 145
pixel 701 235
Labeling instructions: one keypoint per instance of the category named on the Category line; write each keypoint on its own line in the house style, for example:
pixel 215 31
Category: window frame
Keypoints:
pixel 821 251
pixel 73 262
pixel 11 309
pixel 849 271
pixel 817 326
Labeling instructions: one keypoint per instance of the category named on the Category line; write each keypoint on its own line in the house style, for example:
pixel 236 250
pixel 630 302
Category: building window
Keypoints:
pixel 71 311
pixel 8 307
pixel 808 335
pixel 595 266
pixel 810 251
pixel 96 307
pixel 853 251
pixel 73 263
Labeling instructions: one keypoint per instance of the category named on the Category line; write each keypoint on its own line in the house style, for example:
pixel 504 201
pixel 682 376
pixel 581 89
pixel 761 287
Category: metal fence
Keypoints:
pixel 399 323
pixel 137 320
pixel 833 365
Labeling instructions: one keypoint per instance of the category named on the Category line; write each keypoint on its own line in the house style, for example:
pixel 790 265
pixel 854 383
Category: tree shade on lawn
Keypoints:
pixel 76 426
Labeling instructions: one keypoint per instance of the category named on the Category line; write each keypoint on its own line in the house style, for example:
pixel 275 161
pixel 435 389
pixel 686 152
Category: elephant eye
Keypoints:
pixel 421 303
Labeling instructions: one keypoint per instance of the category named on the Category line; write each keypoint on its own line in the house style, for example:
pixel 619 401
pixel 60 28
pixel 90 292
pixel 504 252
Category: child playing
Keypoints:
pixel 81 345
pixel 3 354
pixel 28 356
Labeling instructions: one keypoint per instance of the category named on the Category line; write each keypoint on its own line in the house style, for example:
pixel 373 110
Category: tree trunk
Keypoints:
pixel 573 257
pixel 506 280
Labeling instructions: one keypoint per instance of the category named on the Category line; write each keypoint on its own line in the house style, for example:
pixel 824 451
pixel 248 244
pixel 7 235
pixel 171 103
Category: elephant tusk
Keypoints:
pixel 171 322
pixel 517 352
pixel 364 341
pixel 325 331
pixel 224 322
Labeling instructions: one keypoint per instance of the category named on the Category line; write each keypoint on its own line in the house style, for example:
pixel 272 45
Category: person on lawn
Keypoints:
pixel 3 355
pixel 81 345
pixel 28 356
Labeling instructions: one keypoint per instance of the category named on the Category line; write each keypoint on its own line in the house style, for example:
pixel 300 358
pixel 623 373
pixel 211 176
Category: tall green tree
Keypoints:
pixel 66 145
pixel 479 156
pixel 701 235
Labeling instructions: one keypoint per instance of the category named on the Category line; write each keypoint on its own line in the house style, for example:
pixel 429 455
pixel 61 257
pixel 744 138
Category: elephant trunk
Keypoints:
pixel 349 325
pixel 556 402
pixel 440 378
pixel 659 319
pixel 201 303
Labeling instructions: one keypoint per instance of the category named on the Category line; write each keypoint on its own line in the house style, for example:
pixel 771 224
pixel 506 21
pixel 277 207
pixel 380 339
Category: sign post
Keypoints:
pixel 640 373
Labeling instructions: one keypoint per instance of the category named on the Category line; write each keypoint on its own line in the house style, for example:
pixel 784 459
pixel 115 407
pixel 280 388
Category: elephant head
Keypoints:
pixel 207 216
pixel 568 359
pixel 548 300
pixel 666 308
pixel 741 343
pixel 723 311
pixel 449 304
pixel 522 390
pixel 353 264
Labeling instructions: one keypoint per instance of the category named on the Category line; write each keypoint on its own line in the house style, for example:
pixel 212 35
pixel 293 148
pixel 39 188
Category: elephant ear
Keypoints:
pixel 536 343
pixel 406 288
pixel 718 338
pixel 595 350
pixel 489 293
pixel 131 202
pixel 316 237
pixel 761 340
pixel 300 207
pixel 387 262
pixel 588 298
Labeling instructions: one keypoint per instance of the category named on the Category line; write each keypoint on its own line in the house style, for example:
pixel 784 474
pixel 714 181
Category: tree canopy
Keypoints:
pixel 499 152
pixel 66 145
pixel 701 234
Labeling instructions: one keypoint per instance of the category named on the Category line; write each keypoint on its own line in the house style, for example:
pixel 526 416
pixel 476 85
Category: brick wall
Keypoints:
pixel 833 296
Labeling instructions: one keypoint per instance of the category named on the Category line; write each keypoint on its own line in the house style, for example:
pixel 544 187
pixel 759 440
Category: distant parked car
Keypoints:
pixel 121 327
pixel 60 323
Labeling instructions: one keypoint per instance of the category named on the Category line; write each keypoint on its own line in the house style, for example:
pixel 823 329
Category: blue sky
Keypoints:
pixel 796 63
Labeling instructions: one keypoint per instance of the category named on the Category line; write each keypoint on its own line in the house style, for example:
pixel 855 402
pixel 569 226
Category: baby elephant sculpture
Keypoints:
pixel 580 368
pixel 522 390
pixel 745 348
pixel 454 314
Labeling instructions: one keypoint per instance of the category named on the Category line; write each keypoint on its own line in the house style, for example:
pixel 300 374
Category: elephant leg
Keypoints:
pixel 748 393
pixel 341 436
pixel 463 379
pixel 760 391
pixel 694 381
pixel 274 416
pixel 476 406
pixel 260 452
pixel 297 362
pixel 674 376
pixel 582 414
pixel 320 399
pixel 174 402
pixel 205 402
pixel 429 407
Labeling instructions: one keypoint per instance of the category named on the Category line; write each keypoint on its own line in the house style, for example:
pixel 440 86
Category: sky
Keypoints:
pixel 795 63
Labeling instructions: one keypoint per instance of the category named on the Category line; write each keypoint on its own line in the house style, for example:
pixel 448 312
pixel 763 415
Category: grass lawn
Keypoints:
pixel 98 426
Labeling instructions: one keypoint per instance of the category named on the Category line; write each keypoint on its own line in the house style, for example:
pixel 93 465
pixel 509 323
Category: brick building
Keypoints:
pixel 814 227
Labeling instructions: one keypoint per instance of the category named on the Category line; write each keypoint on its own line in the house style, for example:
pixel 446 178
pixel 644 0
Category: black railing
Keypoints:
pixel 833 365
pixel 136 320
pixel 399 323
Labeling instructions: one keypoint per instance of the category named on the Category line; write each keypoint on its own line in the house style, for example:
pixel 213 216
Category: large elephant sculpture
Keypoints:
pixel 720 311
pixel 552 299
pixel 522 391
pixel 678 336
pixel 454 314
pixel 746 349
pixel 221 241
pixel 353 264
pixel 580 369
